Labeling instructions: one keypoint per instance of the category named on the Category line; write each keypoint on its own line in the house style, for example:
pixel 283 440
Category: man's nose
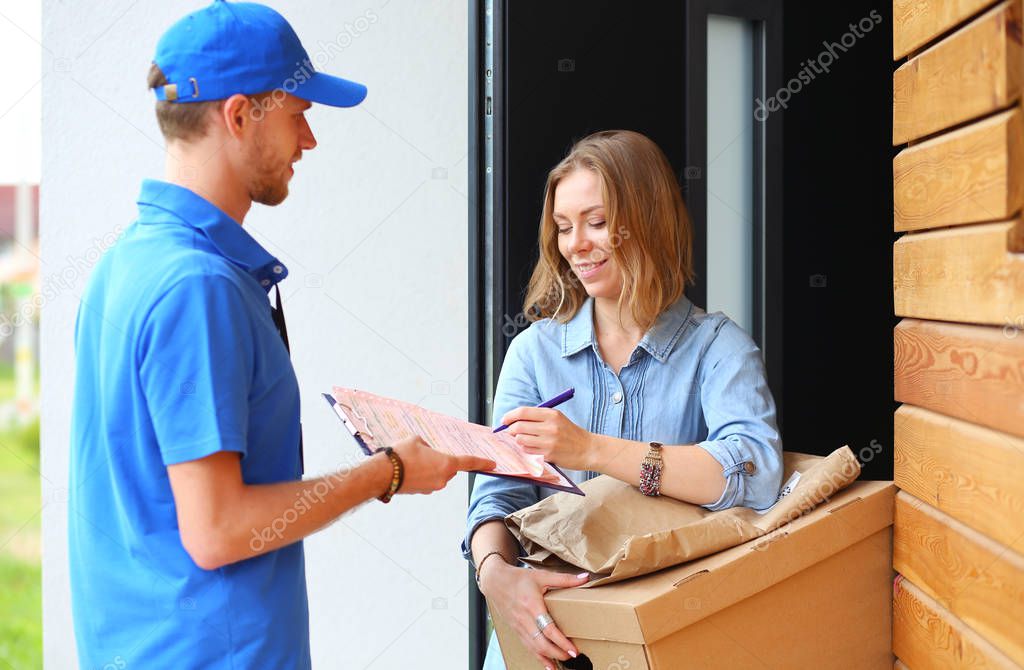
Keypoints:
pixel 306 139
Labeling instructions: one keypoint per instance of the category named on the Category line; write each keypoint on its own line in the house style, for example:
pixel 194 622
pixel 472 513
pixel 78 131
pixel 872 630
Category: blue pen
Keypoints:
pixel 554 402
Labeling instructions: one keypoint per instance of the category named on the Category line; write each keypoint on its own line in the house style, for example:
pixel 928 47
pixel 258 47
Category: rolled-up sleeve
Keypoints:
pixel 740 413
pixel 494 497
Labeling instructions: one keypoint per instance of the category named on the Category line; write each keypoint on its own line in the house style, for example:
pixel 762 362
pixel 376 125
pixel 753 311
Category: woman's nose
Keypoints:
pixel 579 242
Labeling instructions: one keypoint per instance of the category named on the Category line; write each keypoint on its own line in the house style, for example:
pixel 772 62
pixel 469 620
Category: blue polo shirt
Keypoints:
pixel 177 358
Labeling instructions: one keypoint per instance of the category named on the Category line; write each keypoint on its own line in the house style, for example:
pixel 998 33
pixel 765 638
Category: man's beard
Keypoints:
pixel 268 185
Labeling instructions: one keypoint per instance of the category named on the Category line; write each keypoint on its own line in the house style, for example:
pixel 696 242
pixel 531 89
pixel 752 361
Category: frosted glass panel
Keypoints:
pixel 730 211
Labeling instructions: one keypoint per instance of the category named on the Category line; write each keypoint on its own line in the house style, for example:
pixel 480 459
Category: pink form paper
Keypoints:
pixel 383 421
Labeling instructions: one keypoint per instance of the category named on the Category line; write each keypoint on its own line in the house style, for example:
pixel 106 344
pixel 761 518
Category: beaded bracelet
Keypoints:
pixel 397 475
pixel 650 471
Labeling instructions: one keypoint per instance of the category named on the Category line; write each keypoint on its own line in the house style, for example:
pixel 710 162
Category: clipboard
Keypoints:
pixel 350 418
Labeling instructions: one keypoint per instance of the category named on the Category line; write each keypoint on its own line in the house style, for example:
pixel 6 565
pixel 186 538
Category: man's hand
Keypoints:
pixel 222 519
pixel 427 470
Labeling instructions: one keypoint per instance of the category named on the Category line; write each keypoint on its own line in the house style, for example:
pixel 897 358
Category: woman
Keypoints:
pixel 610 319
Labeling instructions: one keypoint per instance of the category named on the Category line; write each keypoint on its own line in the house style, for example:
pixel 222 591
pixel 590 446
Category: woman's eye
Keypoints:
pixel 597 224
pixel 564 231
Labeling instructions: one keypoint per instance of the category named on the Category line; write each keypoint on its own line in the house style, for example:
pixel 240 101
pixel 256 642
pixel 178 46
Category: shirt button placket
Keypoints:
pixel 618 409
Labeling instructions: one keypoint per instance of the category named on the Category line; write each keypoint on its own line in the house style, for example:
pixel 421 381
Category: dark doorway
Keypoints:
pixel 543 75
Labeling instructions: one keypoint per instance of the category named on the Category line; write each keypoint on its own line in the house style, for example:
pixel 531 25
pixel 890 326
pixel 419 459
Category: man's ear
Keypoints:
pixel 236 115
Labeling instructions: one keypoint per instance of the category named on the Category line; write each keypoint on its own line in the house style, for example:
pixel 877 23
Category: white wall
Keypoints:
pixel 374 235
pixel 19 96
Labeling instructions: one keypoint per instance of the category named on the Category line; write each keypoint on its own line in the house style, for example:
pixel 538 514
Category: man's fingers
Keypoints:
pixel 469 463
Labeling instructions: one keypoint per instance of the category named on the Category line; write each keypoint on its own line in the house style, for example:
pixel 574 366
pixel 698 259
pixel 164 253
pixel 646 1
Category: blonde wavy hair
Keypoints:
pixel 648 226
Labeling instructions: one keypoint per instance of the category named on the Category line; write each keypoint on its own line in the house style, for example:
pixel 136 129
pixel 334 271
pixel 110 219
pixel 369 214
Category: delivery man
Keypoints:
pixel 187 506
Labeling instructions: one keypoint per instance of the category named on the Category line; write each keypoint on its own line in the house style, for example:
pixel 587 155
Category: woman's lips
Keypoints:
pixel 588 270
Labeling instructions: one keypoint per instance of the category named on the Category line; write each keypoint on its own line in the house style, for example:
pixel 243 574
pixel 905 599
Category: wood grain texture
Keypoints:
pixel 917 22
pixel 975 373
pixel 973 474
pixel 973 72
pixel 969 175
pixel 928 637
pixel 979 581
pixel 967 273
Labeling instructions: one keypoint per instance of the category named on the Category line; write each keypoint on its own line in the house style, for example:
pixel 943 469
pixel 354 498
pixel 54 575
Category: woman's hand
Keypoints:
pixel 517 596
pixel 549 433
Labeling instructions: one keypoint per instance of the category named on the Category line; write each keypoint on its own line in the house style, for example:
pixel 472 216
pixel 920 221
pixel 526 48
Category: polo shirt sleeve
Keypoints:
pixel 195 359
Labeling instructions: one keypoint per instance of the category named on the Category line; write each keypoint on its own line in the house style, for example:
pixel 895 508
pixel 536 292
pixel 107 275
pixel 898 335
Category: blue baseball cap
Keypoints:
pixel 242 47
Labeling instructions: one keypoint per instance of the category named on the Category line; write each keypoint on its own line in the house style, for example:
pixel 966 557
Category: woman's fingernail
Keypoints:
pixel 572 653
pixel 582 575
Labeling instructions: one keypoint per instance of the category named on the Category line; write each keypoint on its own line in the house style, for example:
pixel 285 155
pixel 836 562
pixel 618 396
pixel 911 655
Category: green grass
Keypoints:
pixel 21 630
pixel 6 380
pixel 21 627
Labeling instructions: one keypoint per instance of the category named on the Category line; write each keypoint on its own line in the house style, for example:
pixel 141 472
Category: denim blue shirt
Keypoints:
pixel 694 378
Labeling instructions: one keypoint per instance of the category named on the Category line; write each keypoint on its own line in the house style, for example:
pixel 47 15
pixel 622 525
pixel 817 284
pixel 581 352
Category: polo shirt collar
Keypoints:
pixel 226 235
pixel 578 333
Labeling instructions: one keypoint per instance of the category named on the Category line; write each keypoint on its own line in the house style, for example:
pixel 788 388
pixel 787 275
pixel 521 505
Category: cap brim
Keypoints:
pixel 330 90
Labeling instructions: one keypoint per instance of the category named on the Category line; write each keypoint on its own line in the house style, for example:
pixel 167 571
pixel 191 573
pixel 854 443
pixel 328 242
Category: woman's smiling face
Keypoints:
pixel 582 230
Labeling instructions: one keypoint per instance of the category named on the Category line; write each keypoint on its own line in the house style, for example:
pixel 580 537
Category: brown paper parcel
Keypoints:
pixel 615 532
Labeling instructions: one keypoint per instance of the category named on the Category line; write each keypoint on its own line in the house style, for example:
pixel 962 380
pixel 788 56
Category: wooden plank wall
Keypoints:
pixel 958 283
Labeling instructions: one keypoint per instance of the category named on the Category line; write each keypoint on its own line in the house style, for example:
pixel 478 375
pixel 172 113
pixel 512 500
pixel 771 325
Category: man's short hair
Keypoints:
pixel 180 120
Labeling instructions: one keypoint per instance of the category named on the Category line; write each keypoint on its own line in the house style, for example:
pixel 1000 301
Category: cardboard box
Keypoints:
pixel 816 593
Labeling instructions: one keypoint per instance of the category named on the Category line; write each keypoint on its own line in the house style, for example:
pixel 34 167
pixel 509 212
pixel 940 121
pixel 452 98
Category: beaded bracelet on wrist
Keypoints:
pixel 397 475
pixel 650 471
